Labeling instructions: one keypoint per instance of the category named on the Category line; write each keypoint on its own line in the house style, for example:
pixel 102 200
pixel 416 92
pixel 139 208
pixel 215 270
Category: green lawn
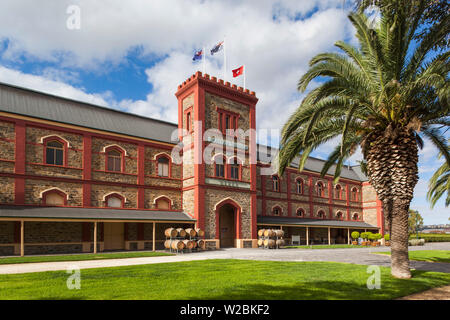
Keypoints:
pixel 326 246
pixel 219 279
pixel 81 257
pixel 427 255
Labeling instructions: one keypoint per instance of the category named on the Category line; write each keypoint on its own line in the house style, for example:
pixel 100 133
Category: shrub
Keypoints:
pixel 387 237
pixel 377 236
pixel 355 235
pixel 372 236
pixel 369 235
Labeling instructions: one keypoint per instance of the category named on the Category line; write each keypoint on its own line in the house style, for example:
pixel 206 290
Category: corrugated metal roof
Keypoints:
pixel 314 222
pixel 49 107
pixel 91 213
pixel 312 164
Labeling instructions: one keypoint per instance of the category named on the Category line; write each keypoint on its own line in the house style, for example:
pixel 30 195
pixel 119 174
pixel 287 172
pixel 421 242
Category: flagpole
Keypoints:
pixel 224 59
pixel 204 61
pixel 244 75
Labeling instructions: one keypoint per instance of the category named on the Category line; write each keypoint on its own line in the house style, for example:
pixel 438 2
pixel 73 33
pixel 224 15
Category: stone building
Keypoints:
pixel 76 175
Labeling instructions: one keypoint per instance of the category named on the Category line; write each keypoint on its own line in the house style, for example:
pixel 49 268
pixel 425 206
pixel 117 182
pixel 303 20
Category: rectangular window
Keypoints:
pixel 234 172
pixel 220 172
pixel 163 169
pixel 227 122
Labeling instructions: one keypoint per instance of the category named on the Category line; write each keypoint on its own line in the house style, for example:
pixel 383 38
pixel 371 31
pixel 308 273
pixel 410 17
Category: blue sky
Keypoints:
pixel 132 55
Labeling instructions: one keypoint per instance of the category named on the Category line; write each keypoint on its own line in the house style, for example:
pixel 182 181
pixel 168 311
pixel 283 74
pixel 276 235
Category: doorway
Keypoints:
pixel 227 229
pixel 114 236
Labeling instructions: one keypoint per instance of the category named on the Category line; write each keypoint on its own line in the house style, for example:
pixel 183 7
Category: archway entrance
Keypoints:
pixel 227 223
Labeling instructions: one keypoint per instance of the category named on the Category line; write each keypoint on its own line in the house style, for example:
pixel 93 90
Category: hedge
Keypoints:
pixel 432 237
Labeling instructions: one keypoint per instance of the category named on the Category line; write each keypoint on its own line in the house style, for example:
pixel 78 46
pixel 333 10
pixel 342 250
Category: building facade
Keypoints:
pixel 81 178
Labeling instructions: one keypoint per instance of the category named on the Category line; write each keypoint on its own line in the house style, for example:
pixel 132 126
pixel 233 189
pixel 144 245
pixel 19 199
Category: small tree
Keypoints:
pixel 415 221
pixel 355 235
pixel 387 237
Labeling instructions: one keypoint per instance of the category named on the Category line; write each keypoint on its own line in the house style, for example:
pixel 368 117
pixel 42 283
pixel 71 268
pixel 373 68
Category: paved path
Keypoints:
pixel 356 256
pixel 442 293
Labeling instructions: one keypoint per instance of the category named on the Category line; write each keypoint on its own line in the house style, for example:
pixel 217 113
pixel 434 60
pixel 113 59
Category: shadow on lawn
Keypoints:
pixel 330 290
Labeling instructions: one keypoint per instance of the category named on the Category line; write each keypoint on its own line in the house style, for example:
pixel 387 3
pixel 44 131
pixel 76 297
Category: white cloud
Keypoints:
pixel 54 87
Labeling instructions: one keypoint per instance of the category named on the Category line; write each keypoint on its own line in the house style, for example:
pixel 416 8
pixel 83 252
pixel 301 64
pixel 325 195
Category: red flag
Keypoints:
pixel 237 72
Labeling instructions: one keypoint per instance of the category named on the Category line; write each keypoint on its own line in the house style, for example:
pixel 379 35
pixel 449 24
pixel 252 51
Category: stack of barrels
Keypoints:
pixel 179 239
pixel 270 238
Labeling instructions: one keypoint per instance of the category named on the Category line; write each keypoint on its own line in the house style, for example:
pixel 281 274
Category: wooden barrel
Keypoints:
pixel 167 244
pixel 188 244
pixel 280 242
pixel 279 233
pixel 191 232
pixel 181 232
pixel 269 233
pixel 201 243
pixel 261 232
pixel 171 232
pixel 260 242
pixel 195 245
pixel 177 245
pixel 200 232
pixel 269 243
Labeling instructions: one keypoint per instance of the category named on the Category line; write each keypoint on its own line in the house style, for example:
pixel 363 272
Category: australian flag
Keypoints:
pixel 217 48
pixel 198 55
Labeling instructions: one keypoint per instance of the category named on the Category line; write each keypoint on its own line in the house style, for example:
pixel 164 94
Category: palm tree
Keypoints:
pixel 439 184
pixel 384 95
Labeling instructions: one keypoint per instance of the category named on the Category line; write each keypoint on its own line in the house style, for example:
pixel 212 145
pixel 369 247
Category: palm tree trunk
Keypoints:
pixel 399 240
pixel 392 158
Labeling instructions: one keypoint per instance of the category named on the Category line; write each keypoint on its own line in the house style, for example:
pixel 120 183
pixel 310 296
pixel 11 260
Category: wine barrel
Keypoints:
pixel 181 232
pixel 177 245
pixel 201 243
pixel 200 232
pixel 279 233
pixel 260 242
pixel 269 243
pixel 167 244
pixel 261 232
pixel 171 232
pixel 191 232
pixel 280 242
pixel 188 244
pixel 269 233
pixel 195 244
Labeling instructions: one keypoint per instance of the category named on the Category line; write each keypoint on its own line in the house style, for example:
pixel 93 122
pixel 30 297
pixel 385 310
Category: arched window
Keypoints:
pixel 320 189
pixel 338 192
pixel 219 163
pixel 54 198
pixel 299 186
pixel 275 183
pixel 163 203
pixel 188 122
pixel 339 215
pixel 163 166
pixel 276 211
pixel 235 169
pixel 54 152
pixel 355 216
pixel 300 213
pixel 354 194
pixel 321 214
pixel 114 160
pixel 114 202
